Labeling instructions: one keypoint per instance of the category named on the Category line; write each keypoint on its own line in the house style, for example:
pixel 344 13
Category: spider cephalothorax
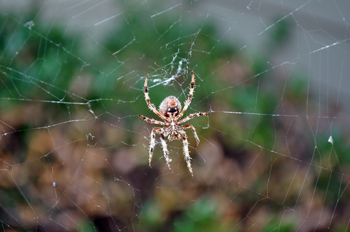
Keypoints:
pixel 170 112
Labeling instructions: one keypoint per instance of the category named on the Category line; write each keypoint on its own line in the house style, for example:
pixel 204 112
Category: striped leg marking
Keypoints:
pixel 165 151
pixel 188 101
pixel 148 100
pixel 194 133
pixel 187 153
pixel 192 116
pixel 152 143
pixel 153 121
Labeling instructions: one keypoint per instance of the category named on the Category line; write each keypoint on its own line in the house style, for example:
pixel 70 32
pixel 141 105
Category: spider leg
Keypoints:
pixel 151 120
pixel 153 142
pixel 165 151
pixel 148 101
pixel 160 131
pixel 188 101
pixel 194 133
pixel 186 152
pixel 192 116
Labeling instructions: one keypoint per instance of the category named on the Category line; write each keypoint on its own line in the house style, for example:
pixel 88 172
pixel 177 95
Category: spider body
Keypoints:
pixel 170 107
pixel 171 113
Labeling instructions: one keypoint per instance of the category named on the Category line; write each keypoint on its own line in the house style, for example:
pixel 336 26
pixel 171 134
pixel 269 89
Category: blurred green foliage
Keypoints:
pixel 276 225
pixel 86 226
pixel 152 216
pixel 203 215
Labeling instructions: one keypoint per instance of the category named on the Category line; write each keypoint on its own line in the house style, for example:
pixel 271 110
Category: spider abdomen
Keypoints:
pixel 170 106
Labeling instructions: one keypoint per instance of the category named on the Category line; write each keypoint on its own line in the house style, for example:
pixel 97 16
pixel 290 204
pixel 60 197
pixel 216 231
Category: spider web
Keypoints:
pixel 274 151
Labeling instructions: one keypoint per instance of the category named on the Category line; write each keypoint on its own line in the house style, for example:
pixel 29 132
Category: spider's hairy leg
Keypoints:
pixel 148 100
pixel 188 101
pixel 194 133
pixel 153 143
pixel 192 116
pixel 186 152
pixel 165 151
pixel 153 121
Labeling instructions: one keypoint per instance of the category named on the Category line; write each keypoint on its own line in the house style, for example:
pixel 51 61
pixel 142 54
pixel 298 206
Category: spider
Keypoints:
pixel 170 112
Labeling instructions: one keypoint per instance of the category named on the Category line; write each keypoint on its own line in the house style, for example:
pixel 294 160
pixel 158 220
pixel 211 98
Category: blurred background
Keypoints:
pixel 274 152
